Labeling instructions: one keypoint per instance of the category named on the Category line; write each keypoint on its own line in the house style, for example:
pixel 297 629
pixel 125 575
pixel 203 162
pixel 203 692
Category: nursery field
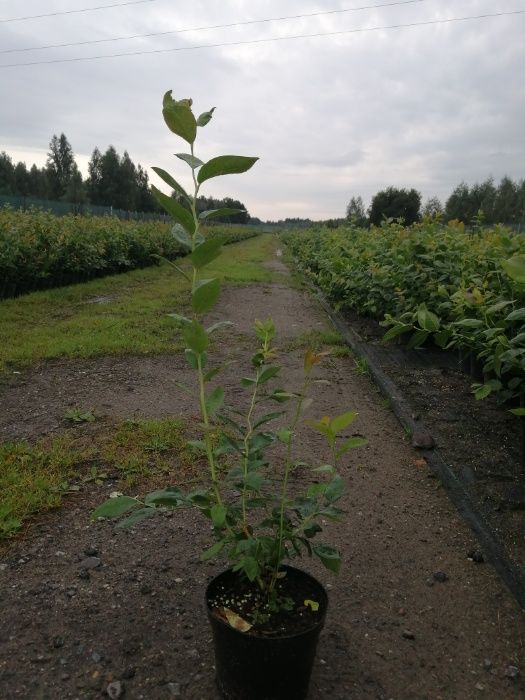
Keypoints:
pixel 432 284
pixel 94 399
pixel 443 312
pixel 39 250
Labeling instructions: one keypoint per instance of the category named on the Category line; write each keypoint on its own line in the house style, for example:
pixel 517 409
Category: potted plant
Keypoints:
pixel 266 615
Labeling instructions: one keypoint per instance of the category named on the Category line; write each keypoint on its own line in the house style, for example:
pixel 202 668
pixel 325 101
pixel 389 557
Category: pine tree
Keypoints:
pixel 60 165
pixel 7 174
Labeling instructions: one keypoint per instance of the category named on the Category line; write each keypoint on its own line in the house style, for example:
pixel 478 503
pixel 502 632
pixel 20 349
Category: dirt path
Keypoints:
pixel 136 624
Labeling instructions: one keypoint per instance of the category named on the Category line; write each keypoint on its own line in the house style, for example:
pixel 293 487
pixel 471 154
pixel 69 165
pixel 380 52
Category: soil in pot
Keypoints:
pixel 273 659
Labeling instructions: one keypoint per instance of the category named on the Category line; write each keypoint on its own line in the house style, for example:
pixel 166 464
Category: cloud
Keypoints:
pixel 330 117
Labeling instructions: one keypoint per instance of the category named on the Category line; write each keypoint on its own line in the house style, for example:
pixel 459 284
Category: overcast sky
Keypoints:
pixel 330 117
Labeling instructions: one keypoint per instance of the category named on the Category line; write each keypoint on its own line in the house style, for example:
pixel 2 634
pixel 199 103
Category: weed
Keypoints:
pixel 35 478
pixel 78 415
pixel 156 445
pixel 31 480
pixel 361 366
pixel 95 476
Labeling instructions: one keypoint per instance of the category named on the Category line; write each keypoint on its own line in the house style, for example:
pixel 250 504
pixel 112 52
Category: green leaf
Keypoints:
pixel 397 330
pixel 495 308
pixel 254 481
pixel 229 421
pixel 518 411
pixel 471 323
pixel 215 400
pixel 179 117
pixel 181 319
pixel 285 436
pixel 482 392
pixel 180 234
pixel 426 319
pixel 323 426
pixel 417 339
pixel 165 497
pixel 206 252
pixel 225 165
pixel 218 213
pixel 314 605
pixel 517 315
pixel 236 445
pixel 442 337
pixel 350 444
pixel 200 499
pixel 267 374
pixel 218 515
pixel 281 396
pixel 267 418
pixel 515 268
pixel 331 512
pixel 195 337
pixel 247 381
pixel 192 357
pixel 213 550
pixel 324 469
pixel 334 489
pixel 205 117
pixel 175 210
pixel 316 490
pixel 192 161
pixel 312 530
pixel 216 326
pixel 136 517
pixel 329 556
pixel 205 296
pixel 306 544
pixel 114 507
pixel 250 568
pixel 343 421
pixel 261 441
pixel 210 374
pixel 169 180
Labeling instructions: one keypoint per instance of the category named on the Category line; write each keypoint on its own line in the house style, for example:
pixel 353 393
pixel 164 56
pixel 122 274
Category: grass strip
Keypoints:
pixel 123 314
pixel 34 478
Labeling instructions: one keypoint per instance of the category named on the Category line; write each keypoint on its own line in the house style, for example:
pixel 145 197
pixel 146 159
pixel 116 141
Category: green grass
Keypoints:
pixel 131 316
pixel 34 478
pixel 320 340
pixel 361 366
pixel 31 480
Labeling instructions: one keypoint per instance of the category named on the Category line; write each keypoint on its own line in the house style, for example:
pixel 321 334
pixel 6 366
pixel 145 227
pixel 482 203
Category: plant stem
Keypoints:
pixel 247 437
pixel 264 349
pixel 287 470
pixel 200 372
pixel 196 187
pixel 206 420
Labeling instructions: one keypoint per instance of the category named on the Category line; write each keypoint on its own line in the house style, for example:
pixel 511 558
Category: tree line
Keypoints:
pixel 113 181
pixel 481 203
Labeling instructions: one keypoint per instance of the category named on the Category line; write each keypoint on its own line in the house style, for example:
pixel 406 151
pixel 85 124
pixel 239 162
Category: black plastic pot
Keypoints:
pixel 252 667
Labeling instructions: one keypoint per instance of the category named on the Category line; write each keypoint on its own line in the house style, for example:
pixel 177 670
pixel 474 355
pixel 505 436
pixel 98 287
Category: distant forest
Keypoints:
pixel 113 181
pixel 481 203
